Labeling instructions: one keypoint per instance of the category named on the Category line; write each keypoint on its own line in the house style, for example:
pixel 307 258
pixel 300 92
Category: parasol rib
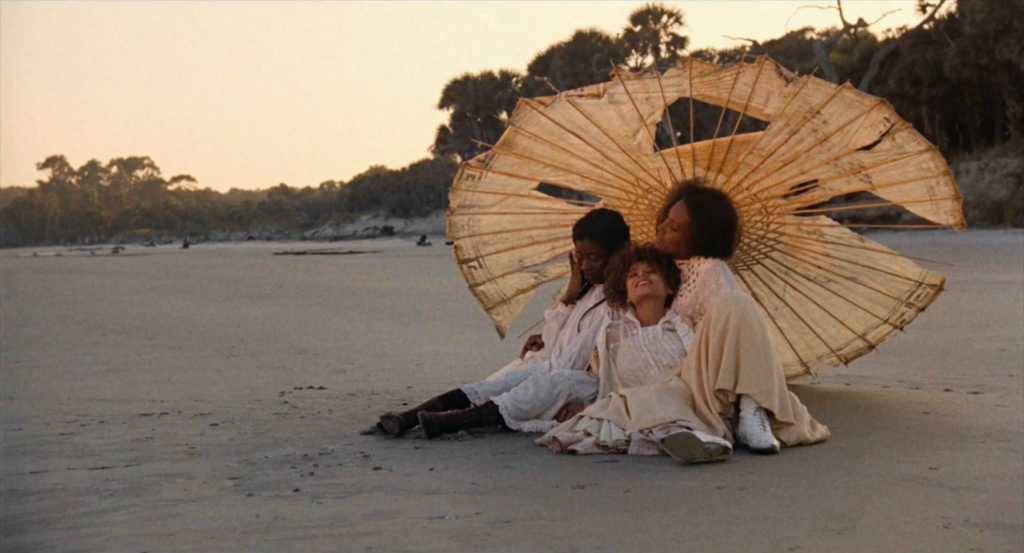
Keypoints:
pixel 834 158
pixel 540 196
pixel 739 120
pixel 529 104
pixel 538 180
pixel 725 108
pixel 851 262
pixel 480 256
pixel 728 180
pixel 668 119
pixel 810 299
pixel 871 188
pixel 775 322
pixel 526 290
pixel 693 151
pixel 854 207
pixel 868 225
pixel 840 176
pixel 797 155
pixel 835 273
pixel 796 129
pixel 862 247
pixel 823 287
pixel 654 143
pixel 798 315
pixel 519 230
pixel 617 145
pixel 574 154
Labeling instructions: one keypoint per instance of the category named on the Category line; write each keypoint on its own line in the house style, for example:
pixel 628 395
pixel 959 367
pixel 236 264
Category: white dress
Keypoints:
pixel 529 393
pixel 634 357
pixel 631 357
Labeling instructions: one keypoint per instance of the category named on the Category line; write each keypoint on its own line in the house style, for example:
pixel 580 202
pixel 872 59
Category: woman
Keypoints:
pixel 734 361
pixel 645 408
pixel 553 372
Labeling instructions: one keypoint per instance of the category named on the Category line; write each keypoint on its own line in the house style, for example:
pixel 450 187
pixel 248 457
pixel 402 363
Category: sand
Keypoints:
pixel 210 399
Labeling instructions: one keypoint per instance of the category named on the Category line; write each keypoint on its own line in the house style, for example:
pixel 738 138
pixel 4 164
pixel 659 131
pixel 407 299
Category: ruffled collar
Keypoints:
pixel 671 317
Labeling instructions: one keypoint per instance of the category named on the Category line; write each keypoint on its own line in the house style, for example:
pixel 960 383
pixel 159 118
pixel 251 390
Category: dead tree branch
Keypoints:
pixel 821 47
pixel 880 55
pixel 752 42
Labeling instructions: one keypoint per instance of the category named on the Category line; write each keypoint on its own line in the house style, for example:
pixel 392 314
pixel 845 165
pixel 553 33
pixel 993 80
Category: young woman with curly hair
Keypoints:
pixel 737 365
pixel 643 407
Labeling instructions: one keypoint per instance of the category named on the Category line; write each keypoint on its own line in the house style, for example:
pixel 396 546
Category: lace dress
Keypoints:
pixel 634 357
pixel 704 279
pixel 638 359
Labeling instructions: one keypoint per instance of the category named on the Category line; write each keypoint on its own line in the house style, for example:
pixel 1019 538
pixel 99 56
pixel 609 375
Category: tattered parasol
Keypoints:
pixel 829 294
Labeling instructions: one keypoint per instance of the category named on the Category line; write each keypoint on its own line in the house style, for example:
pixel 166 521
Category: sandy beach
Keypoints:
pixel 210 399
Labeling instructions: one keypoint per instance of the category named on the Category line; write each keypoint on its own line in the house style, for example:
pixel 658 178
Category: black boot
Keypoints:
pixel 450 422
pixel 395 424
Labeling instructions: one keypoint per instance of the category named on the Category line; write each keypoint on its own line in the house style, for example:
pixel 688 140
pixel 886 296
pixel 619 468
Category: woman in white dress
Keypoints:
pixel 553 370
pixel 645 409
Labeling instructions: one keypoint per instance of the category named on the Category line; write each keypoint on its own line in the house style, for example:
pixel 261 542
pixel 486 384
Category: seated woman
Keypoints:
pixel 554 371
pixel 733 362
pixel 645 409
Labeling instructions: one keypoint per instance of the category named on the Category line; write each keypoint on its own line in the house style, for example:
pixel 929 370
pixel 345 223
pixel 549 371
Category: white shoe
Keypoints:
pixel 754 429
pixel 693 446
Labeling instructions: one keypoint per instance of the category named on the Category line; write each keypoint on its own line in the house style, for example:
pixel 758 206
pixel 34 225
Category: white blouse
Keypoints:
pixel 570 332
pixel 631 355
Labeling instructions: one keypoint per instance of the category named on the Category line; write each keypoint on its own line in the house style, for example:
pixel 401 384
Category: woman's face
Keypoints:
pixel 644 282
pixel 592 259
pixel 673 235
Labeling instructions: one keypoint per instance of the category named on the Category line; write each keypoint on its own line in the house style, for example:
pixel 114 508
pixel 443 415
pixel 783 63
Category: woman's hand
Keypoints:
pixel 575 281
pixel 534 343
pixel 569 410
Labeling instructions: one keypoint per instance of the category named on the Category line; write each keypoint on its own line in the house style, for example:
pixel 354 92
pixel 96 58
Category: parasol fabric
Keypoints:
pixel 829 294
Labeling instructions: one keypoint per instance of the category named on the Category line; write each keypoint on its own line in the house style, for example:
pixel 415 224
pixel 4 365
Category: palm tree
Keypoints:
pixel 652 36
pixel 479 105
pixel 585 59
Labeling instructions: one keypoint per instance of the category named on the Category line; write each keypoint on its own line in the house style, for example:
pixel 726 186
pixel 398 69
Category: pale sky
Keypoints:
pixel 252 94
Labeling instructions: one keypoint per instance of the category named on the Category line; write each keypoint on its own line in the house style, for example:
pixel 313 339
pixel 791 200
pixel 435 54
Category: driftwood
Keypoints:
pixel 326 252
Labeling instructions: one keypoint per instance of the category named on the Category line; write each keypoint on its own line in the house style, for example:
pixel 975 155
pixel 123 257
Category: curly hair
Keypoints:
pixel 620 264
pixel 715 227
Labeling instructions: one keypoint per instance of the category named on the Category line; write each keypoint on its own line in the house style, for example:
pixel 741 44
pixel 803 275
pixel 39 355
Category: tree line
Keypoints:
pixel 957 76
pixel 126 196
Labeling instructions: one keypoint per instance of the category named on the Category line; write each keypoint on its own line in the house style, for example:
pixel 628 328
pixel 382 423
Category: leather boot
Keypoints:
pixel 395 424
pixel 450 422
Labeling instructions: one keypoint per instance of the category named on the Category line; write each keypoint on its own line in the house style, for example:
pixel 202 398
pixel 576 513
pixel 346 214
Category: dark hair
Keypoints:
pixel 715 227
pixel 604 226
pixel 618 271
